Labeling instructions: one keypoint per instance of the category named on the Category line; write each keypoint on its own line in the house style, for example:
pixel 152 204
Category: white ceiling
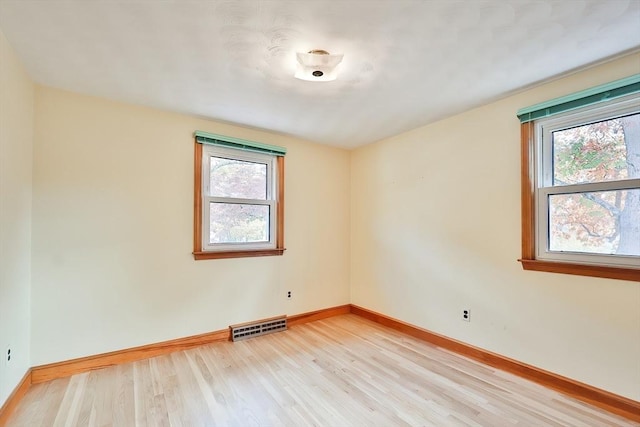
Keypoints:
pixel 406 63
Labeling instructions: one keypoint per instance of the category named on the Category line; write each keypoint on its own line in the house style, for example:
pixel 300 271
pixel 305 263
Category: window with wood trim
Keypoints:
pixel 238 198
pixel 581 183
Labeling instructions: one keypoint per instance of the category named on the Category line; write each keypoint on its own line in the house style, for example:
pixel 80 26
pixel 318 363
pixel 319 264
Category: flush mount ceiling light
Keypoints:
pixel 317 66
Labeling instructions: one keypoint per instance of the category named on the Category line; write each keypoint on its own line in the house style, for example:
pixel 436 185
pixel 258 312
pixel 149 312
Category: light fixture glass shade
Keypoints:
pixel 317 66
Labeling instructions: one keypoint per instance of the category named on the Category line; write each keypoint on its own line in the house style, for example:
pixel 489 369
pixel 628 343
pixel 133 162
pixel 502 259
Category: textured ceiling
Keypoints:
pixel 406 63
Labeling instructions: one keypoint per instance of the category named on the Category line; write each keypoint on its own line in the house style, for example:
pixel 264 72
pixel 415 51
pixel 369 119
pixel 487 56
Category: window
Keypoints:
pixel 239 198
pixel 581 183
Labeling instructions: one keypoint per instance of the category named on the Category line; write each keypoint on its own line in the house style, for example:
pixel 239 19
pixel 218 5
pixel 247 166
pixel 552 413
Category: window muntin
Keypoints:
pixel 587 185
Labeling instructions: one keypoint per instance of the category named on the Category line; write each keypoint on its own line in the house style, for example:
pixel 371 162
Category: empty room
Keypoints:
pixel 320 213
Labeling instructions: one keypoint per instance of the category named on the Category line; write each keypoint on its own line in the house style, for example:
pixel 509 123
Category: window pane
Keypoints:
pixel 596 152
pixel 236 223
pixel 235 178
pixel 603 222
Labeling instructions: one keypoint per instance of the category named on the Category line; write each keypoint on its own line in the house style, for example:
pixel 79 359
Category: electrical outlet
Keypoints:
pixel 288 294
pixel 7 359
pixel 466 315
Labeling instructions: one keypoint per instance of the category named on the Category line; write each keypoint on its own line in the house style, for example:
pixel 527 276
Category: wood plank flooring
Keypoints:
pixel 342 371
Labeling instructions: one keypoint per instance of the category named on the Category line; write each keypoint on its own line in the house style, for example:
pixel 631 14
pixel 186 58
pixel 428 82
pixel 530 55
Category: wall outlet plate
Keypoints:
pixel 466 315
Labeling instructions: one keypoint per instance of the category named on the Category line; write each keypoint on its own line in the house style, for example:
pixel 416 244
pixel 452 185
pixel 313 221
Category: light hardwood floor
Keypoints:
pixel 342 371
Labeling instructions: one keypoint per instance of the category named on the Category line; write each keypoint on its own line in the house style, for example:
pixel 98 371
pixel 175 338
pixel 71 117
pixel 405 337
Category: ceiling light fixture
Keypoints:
pixel 317 66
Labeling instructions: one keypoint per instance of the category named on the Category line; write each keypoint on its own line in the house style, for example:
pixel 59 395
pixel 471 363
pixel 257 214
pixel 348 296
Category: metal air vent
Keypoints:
pixel 263 327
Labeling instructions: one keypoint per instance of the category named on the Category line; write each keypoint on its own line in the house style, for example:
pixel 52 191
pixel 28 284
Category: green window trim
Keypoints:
pixel 237 143
pixel 595 95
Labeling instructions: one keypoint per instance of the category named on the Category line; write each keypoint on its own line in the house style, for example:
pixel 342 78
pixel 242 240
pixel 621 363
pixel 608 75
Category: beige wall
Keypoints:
pixel 16 142
pixel 435 217
pixel 112 226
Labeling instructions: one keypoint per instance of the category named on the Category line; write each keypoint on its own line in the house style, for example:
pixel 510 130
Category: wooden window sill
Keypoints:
pixel 622 273
pixel 237 254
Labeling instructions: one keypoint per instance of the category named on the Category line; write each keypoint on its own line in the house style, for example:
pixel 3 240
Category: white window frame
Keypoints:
pixel 209 151
pixel 544 188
